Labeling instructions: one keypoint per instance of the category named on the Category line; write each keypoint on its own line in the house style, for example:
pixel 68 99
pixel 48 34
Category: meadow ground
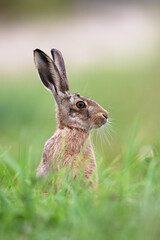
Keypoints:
pixel 126 204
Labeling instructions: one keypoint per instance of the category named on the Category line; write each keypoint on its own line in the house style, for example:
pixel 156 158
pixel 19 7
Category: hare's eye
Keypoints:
pixel 80 104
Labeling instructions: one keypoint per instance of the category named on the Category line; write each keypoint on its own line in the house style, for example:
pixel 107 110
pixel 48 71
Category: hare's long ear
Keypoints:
pixel 50 75
pixel 59 61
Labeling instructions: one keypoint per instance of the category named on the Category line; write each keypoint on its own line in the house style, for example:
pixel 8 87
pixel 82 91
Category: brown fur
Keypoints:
pixel 66 147
pixel 70 145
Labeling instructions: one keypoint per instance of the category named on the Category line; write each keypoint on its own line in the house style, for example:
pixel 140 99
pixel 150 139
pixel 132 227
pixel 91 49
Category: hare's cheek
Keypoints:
pixel 73 113
pixel 84 115
pixel 96 120
pixel 88 114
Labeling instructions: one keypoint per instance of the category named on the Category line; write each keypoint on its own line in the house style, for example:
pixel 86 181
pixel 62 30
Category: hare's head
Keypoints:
pixel 73 110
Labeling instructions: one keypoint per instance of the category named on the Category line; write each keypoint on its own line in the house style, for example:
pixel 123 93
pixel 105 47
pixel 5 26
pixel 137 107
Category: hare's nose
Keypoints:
pixel 105 115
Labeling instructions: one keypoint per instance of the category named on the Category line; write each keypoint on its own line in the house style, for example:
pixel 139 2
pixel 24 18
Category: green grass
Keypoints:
pixel 126 204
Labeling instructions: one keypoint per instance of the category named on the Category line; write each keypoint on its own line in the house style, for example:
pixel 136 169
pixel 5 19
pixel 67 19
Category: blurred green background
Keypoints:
pixel 111 52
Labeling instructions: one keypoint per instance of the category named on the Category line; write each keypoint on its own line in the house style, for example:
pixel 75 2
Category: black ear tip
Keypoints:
pixel 39 53
pixel 37 50
pixel 55 52
pixel 52 52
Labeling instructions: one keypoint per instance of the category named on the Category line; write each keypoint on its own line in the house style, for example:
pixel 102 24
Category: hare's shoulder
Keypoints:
pixel 53 144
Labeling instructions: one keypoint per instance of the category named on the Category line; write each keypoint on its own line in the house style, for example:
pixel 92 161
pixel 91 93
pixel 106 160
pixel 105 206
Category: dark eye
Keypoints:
pixel 80 104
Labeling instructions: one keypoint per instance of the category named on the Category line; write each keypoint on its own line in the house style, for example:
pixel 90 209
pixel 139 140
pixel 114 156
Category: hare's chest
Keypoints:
pixel 68 149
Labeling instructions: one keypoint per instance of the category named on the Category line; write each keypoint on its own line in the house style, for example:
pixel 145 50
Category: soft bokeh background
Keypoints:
pixel 111 50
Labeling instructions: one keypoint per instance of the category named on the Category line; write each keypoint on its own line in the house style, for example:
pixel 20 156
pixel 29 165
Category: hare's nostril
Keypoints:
pixel 105 115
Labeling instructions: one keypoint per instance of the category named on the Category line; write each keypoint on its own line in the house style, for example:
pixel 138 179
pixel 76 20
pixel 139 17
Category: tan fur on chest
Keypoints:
pixel 68 147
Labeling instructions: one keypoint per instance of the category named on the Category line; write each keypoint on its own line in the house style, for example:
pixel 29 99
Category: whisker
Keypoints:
pixel 104 134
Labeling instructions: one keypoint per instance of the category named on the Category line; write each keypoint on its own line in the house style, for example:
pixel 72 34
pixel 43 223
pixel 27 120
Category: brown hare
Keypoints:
pixel 76 116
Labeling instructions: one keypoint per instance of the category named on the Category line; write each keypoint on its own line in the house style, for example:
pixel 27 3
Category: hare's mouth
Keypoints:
pixel 100 120
pixel 105 120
